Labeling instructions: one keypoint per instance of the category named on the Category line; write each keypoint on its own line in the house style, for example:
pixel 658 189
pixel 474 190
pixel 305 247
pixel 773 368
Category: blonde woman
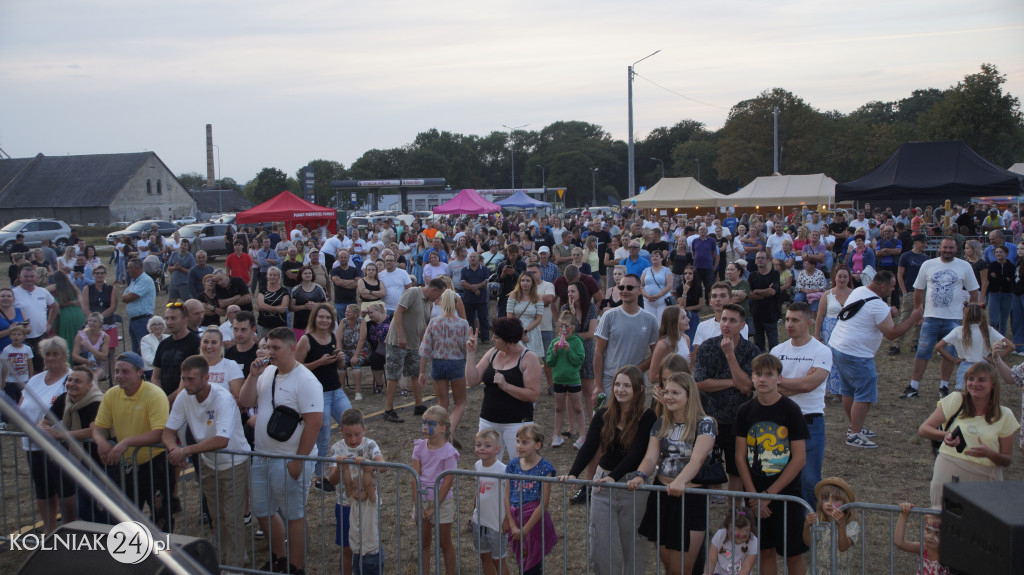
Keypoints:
pixel 444 342
pixel 525 304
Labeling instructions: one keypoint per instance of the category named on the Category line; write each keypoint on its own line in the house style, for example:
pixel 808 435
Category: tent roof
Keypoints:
pixel 679 193
pixel 288 208
pixel 467 202
pixel 931 172
pixel 779 190
pixel 522 200
pixel 1018 168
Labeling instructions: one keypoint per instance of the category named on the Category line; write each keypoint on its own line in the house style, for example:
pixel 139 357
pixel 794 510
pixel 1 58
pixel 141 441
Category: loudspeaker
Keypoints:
pixel 983 527
pixel 73 549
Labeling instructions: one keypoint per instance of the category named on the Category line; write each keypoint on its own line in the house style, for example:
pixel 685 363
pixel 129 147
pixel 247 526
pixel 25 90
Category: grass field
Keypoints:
pixel 899 470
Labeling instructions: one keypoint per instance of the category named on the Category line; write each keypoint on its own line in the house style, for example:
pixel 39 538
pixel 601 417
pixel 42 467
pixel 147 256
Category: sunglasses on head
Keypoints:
pixel 175 304
pixel 628 288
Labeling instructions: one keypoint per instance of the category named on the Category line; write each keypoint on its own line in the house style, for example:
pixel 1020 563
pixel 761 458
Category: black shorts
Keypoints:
pixel 47 478
pixel 727 441
pixel 678 516
pixel 377 361
pixel 561 388
pixel 787 540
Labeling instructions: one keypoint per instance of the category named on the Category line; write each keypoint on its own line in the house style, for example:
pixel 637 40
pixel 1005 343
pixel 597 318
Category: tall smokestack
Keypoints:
pixel 210 175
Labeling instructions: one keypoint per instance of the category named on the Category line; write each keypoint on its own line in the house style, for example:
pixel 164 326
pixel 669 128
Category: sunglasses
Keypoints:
pixel 628 288
pixel 175 304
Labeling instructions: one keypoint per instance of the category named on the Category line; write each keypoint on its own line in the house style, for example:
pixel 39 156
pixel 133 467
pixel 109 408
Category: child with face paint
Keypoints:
pixel 832 493
pixel 430 457
pixel 928 549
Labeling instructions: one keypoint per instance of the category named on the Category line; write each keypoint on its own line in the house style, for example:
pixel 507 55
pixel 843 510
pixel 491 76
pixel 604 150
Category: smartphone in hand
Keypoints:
pixel 958 434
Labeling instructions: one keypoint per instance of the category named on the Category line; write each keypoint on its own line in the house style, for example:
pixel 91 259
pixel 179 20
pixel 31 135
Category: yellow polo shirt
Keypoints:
pixel 131 415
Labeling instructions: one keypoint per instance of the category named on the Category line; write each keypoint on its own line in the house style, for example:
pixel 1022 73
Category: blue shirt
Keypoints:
pixel 549 273
pixel 911 263
pixel 730 223
pixel 440 253
pixel 636 267
pixel 704 252
pixel 1011 254
pixel 144 287
pixel 87 278
pixel 523 491
pixel 471 276
pixel 882 244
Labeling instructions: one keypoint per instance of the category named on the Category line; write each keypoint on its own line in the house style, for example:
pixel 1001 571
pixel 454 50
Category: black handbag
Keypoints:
pixel 851 310
pixel 283 420
pixel 937 444
pixel 712 472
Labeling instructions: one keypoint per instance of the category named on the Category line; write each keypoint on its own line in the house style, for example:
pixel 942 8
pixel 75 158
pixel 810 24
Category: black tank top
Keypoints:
pixel 500 407
pixel 372 288
pixel 327 374
pixel 99 301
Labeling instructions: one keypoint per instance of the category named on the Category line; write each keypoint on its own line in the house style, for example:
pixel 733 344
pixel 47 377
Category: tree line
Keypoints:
pixel 843 146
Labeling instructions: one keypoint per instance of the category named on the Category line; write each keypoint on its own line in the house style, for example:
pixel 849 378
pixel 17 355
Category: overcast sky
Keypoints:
pixel 287 82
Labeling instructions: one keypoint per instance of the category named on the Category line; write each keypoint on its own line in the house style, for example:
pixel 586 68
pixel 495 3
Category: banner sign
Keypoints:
pixel 389 183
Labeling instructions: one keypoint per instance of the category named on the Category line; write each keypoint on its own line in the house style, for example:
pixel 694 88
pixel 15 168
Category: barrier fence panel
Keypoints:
pixel 602 536
pixel 877 551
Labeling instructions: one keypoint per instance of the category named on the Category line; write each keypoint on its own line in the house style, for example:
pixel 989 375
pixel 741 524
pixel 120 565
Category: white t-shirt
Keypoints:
pixel 297 389
pixel 557 234
pixel 547 321
pixel 18 360
pixel 859 336
pixel 977 351
pixel 225 371
pixel 34 307
pixel 490 509
pixel 36 389
pixel 395 283
pixel 797 361
pixel 944 282
pixel 710 328
pixel 730 555
pixel 333 244
pixel 774 242
pixel 143 247
pixel 227 331
pixel 367 449
pixel 215 417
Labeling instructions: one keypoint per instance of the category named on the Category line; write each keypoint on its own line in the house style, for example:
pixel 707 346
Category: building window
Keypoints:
pixel 159 187
pixel 149 187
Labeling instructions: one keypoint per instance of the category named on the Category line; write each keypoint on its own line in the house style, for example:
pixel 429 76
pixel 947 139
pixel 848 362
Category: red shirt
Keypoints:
pixel 239 266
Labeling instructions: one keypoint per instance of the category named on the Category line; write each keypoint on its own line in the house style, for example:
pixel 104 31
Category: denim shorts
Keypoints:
pixel 369 564
pixel 487 540
pixel 341 524
pixel 273 488
pixel 932 330
pixel 447 369
pixel 857 377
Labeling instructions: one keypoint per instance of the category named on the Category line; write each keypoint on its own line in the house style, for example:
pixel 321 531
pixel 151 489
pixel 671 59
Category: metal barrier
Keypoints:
pixel 586 542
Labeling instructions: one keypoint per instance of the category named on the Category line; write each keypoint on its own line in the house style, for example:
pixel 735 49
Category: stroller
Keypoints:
pixel 154 268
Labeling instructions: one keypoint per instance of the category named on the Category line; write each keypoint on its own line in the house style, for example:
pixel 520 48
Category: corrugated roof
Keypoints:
pixel 60 181
pixel 210 201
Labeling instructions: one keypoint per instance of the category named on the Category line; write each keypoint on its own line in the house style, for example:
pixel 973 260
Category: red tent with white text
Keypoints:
pixel 288 208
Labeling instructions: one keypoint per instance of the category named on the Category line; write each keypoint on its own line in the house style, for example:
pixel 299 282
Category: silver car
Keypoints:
pixel 36 230
pixel 211 237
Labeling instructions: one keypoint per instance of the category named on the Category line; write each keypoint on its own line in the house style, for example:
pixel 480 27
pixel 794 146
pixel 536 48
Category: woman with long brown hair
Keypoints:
pixel 525 304
pixel 620 431
pixel 71 318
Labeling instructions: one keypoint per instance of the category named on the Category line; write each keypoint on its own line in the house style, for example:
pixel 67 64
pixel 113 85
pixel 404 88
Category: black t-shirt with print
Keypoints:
pixel 770 431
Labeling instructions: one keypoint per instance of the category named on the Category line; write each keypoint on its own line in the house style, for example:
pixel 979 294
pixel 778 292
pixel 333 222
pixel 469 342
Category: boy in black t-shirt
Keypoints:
pixel 771 437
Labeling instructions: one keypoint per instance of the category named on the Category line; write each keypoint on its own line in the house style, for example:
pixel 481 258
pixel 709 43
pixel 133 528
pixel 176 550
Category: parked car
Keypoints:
pixel 36 230
pixel 164 228
pixel 223 219
pixel 211 237
pixel 185 221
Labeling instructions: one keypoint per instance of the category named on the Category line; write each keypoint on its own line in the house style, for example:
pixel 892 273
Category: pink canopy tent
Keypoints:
pixel 290 209
pixel 467 202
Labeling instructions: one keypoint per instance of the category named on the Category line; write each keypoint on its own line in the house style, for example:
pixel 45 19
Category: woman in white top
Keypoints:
pixel 828 315
pixel 147 346
pixel 655 284
pixel 672 338
pixel 434 268
pixel 525 304
pixel 972 340
pixel 223 372
pixel 52 487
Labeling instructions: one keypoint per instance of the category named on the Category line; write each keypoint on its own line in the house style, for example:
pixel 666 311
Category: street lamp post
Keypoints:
pixel 662 167
pixel 632 171
pixel 698 170
pixel 512 150
pixel 593 186
pixel 543 183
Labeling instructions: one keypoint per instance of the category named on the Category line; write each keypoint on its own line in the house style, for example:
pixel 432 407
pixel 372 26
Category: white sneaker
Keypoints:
pixel 359 396
pixel 578 444
pixel 557 441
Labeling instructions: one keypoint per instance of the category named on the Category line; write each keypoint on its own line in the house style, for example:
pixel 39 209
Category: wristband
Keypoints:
pixel 641 475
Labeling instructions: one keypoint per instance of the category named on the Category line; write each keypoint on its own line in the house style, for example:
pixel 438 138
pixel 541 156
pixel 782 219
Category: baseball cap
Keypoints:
pixel 544 250
pixel 132 358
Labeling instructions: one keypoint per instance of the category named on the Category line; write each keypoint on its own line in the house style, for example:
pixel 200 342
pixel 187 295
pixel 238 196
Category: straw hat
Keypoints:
pixel 836 482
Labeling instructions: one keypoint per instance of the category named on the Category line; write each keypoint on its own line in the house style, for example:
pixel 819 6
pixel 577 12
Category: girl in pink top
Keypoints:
pixel 431 456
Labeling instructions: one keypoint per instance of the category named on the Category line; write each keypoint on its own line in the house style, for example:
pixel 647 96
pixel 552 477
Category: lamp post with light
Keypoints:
pixel 593 186
pixel 632 175
pixel 662 167
pixel 512 150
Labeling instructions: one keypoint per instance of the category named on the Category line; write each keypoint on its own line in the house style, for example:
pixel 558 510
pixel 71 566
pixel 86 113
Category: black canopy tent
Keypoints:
pixel 931 173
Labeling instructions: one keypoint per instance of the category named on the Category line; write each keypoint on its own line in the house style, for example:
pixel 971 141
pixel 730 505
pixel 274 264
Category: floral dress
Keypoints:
pixel 827 325
pixel 417 267
pixel 528 311
pixel 350 339
pixel 844 559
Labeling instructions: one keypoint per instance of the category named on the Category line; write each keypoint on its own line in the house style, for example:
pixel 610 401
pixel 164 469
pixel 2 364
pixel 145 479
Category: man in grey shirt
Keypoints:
pixel 624 336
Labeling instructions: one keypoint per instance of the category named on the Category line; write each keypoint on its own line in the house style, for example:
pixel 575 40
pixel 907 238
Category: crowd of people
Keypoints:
pixel 601 312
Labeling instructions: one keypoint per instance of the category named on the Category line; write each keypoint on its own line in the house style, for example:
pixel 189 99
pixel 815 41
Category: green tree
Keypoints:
pixel 192 180
pixel 978 112
pixel 267 184
pixel 324 172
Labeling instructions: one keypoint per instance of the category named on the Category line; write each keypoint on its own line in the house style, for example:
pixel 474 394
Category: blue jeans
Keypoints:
pixel 999 305
pixel 137 330
pixel 369 564
pixel 335 403
pixel 765 330
pixel 815 445
pixel 932 330
pixel 857 377
pixel 478 311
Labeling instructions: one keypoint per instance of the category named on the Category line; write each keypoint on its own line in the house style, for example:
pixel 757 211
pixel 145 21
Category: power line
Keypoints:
pixel 669 90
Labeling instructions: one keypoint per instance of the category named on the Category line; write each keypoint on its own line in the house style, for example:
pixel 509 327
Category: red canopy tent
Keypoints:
pixel 290 209
pixel 467 202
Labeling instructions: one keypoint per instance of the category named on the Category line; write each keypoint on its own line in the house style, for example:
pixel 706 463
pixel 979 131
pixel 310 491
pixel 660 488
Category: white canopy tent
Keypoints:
pixel 679 193
pixel 1018 168
pixel 811 190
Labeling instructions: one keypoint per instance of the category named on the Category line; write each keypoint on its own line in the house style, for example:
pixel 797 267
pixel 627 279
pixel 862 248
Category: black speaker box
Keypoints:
pixel 983 527
pixel 55 558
